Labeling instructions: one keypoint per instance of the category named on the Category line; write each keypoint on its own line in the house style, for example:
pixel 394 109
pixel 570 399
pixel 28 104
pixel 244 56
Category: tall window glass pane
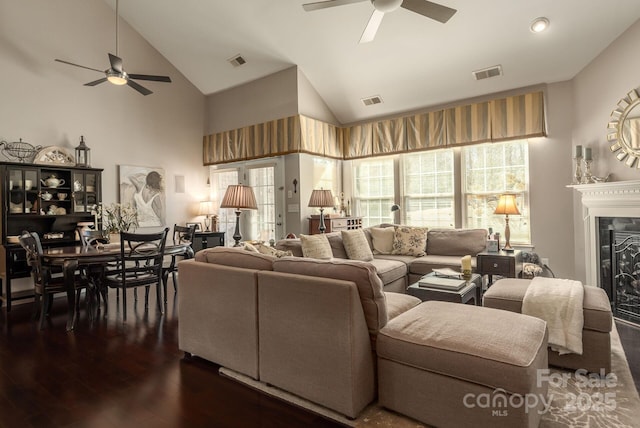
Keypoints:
pixel 263 221
pixel 226 216
pixel 490 170
pixel 428 190
pixel 373 190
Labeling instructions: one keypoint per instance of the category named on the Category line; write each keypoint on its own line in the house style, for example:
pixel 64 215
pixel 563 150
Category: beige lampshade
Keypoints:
pixel 240 197
pixel 206 208
pixel 507 205
pixel 321 199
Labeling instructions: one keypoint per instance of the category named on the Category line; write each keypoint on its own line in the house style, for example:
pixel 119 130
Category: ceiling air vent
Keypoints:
pixel 237 60
pixel 376 99
pixel 486 73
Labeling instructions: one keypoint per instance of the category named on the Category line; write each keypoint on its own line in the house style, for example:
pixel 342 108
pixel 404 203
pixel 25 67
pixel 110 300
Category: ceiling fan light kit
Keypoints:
pixel 425 8
pixel 116 75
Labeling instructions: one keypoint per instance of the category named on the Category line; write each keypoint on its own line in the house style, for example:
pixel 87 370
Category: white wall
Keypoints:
pixel 45 103
pixel 596 92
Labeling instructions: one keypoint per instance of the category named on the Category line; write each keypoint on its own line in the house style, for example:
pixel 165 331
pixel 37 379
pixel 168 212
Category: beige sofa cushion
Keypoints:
pixel 389 270
pixel 456 242
pixel 382 239
pixel 316 246
pixel 362 273
pixel 426 264
pixel 356 245
pixel 491 347
pixel 399 303
pixel 410 241
pixel 237 257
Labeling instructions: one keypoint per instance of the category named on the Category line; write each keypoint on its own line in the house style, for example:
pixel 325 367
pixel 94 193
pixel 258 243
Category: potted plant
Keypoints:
pixel 117 218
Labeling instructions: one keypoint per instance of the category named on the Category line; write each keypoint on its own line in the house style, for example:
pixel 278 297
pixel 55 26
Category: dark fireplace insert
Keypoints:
pixel 620 265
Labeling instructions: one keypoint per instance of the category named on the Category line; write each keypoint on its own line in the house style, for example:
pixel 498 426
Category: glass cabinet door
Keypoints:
pixel 85 191
pixel 23 191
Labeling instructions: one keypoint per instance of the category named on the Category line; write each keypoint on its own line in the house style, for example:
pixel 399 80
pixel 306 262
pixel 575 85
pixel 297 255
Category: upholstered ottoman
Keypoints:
pixel 508 293
pixel 452 365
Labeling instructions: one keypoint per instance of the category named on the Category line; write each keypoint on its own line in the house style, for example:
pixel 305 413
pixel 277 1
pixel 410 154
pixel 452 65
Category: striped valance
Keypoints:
pixel 509 118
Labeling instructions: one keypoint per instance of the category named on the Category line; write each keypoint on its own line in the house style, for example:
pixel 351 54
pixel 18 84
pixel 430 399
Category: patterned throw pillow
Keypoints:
pixel 410 241
pixel 270 251
pixel 316 246
pixel 382 238
pixel 356 245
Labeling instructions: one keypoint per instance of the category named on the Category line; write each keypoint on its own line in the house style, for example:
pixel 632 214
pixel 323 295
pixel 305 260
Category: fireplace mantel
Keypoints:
pixel 611 199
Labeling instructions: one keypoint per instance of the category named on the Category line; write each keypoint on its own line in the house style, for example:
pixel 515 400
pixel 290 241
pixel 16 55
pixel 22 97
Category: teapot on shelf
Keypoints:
pixel 52 181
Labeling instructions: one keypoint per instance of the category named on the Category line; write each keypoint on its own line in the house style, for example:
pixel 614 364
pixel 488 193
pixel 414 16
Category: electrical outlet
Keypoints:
pixel 545 261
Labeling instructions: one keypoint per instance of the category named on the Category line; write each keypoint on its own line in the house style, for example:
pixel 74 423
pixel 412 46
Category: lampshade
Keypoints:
pixel 206 208
pixel 507 205
pixel 321 199
pixel 240 197
pixel 395 207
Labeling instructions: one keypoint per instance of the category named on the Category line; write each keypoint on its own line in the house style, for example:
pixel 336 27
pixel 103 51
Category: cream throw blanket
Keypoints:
pixel 559 303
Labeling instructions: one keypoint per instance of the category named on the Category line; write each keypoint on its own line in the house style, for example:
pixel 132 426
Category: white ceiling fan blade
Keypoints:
pixel 431 10
pixel 371 29
pixel 325 4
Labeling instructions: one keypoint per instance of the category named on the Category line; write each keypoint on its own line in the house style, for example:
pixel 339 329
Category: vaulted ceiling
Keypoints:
pixel 413 62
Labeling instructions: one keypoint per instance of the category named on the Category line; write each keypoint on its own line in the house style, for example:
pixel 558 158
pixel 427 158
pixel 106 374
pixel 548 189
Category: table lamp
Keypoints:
pixel 507 205
pixel 206 209
pixel 240 197
pixel 321 199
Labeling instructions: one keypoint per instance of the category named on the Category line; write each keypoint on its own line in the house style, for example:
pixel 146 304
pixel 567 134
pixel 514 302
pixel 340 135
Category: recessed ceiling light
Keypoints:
pixel 539 24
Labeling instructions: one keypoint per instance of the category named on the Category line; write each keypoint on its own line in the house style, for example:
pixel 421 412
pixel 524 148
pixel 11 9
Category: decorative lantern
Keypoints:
pixel 83 154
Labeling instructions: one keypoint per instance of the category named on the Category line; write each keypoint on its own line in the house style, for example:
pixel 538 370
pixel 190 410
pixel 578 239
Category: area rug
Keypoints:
pixel 577 400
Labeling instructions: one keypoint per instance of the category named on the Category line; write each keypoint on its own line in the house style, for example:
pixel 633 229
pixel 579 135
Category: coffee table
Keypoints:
pixel 471 291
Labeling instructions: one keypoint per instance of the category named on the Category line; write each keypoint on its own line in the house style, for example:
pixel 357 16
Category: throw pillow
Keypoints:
pixel 382 238
pixel 316 246
pixel 356 245
pixel 410 241
pixel 250 247
pixel 270 251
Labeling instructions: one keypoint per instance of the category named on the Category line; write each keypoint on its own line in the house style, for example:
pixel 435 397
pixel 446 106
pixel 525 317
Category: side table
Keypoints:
pixel 202 240
pixel 471 291
pixel 503 263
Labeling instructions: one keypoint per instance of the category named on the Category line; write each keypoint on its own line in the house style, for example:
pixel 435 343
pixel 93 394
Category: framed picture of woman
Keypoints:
pixel 143 188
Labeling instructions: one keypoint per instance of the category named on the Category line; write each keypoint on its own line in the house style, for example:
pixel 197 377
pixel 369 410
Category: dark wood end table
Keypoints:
pixel 502 263
pixel 472 291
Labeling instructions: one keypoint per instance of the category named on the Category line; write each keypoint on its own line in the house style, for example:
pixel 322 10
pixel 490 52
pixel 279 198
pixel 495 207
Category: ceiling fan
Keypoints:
pixel 115 73
pixel 423 7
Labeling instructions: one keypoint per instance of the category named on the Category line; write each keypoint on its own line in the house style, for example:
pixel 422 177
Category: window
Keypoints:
pixel 373 190
pixel 226 216
pixel 424 183
pixel 428 189
pixel 263 221
pixel 492 169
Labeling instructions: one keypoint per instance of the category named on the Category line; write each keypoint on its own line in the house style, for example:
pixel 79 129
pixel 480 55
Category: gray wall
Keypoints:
pixel 596 92
pixel 45 103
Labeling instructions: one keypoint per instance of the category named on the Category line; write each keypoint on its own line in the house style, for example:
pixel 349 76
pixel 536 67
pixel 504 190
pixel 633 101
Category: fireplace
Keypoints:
pixel 620 265
pixel 611 213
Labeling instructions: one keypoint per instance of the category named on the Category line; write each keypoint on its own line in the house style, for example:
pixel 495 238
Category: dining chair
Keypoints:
pixel 46 282
pixel 93 237
pixel 140 265
pixel 95 271
pixel 182 239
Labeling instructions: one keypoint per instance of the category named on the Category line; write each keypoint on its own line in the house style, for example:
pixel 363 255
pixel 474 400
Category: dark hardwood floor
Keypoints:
pixel 110 374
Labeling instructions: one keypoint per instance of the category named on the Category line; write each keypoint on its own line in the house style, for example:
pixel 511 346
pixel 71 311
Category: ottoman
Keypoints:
pixel 508 293
pixel 452 365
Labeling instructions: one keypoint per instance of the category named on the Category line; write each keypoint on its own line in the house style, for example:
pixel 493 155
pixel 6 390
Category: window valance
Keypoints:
pixel 514 117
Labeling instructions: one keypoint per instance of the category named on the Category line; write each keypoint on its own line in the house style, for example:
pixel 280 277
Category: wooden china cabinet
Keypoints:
pixel 47 199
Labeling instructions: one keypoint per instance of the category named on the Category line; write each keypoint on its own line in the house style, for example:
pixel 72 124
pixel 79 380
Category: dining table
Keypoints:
pixel 73 257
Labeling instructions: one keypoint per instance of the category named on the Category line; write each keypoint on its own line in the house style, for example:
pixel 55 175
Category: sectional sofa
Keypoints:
pixel 444 248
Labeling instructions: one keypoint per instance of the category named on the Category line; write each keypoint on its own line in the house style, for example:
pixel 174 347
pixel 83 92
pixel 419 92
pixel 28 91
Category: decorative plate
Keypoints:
pixel 54 155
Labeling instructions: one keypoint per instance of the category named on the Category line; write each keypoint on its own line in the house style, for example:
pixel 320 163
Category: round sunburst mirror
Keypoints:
pixel 625 125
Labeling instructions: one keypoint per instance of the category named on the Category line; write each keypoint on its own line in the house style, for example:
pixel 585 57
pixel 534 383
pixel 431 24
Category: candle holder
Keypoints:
pixel 577 175
pixel 466 274
pixel 587 178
